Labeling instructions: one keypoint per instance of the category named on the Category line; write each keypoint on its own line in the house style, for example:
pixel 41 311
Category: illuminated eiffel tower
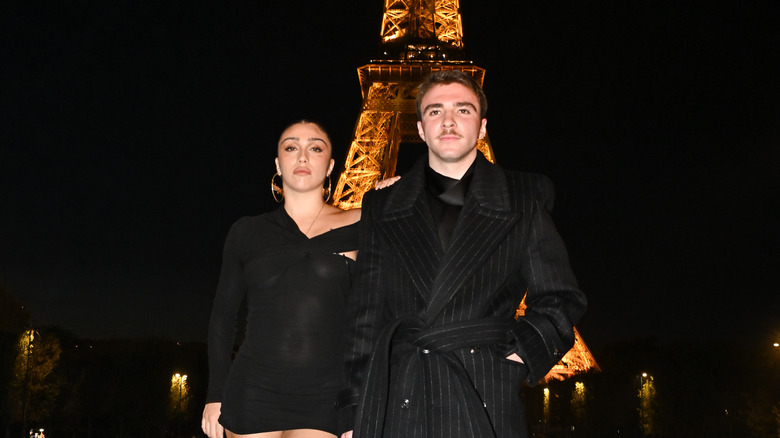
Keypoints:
pixel 418 37
pixel 578 360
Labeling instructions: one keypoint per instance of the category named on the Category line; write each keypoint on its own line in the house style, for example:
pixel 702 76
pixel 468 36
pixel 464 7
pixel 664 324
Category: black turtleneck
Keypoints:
pixel 445 197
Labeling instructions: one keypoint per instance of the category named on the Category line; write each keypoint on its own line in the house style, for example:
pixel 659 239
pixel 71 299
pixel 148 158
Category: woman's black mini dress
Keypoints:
pixel 288 369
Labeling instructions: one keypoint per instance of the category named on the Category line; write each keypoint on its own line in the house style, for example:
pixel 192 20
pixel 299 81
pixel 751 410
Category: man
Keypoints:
pixel 446 255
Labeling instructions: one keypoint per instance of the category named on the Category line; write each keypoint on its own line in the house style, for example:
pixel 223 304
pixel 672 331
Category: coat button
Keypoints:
pixel 405 404
pixel 474 349
pixel 425 351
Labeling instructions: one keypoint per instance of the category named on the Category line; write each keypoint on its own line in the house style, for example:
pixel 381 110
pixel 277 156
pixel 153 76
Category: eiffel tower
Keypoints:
pixel 418 37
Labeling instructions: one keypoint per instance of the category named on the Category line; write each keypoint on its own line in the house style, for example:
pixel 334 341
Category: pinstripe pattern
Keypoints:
pixel 504 243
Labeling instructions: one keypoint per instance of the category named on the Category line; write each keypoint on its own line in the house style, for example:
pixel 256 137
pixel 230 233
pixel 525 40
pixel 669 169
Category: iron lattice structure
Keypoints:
pixel 418 37
pixel 388 118
pixel 578 360
pixel 423 20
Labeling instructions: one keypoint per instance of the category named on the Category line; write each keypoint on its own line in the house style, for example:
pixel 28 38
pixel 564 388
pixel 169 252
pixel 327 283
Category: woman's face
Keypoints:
pixel 303 159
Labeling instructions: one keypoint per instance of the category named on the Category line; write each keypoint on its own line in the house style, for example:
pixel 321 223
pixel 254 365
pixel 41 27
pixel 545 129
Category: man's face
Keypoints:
pixel 451 125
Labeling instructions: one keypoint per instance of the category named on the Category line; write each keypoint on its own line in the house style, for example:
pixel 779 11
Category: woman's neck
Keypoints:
pixel 303 205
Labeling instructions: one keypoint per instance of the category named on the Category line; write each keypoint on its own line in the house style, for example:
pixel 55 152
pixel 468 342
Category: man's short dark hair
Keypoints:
pixel 445 77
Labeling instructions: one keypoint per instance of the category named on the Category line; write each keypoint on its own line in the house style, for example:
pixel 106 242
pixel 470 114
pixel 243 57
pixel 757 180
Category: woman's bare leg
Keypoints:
pixel 294 433
pixel 306 433
pixel 275 434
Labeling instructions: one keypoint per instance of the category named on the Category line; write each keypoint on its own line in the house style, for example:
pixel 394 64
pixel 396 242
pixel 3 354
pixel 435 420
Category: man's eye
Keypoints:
pixel 464 111
pixel 434 112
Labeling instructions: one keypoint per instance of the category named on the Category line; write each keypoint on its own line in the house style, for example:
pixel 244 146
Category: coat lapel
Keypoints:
pixel 407 224
pixel 483 223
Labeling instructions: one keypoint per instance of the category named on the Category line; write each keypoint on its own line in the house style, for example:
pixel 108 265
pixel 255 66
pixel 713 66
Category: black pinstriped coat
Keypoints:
pixel 431 330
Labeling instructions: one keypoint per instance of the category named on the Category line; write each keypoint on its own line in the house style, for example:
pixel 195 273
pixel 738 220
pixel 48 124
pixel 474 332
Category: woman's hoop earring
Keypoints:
pixel 276 191
pixel 326 192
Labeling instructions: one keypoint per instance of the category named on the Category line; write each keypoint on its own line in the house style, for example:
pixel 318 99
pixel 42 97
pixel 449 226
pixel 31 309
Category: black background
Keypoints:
pixel 135 133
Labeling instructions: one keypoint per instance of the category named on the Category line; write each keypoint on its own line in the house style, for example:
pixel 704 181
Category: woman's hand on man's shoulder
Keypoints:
pixel 385 183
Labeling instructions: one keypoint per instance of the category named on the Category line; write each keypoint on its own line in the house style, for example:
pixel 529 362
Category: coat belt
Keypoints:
pixel 411 335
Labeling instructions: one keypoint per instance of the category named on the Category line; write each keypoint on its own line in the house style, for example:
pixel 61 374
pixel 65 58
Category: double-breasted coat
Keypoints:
pixel 430 330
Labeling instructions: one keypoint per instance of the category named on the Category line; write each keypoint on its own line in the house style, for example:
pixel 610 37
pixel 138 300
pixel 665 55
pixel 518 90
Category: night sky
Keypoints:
pixel 135 133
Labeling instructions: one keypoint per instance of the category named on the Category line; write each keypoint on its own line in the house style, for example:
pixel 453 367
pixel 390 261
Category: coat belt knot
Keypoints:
pixel 408 335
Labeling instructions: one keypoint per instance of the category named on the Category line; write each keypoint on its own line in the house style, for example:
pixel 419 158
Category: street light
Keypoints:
pixel 27 341
pixel 180 381
pixel 647 405
pixel 642 403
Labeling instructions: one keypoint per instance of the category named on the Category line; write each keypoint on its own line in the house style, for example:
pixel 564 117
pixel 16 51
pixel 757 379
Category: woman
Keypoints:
pixel 292 266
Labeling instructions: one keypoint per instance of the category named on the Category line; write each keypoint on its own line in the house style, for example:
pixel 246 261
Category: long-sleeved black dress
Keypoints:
pixel 288 369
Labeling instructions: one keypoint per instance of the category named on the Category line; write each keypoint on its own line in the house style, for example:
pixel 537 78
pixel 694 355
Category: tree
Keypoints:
pixel 34 388
pixel 647 406
pixel 14 317
pixel 179 394
pixel 179 399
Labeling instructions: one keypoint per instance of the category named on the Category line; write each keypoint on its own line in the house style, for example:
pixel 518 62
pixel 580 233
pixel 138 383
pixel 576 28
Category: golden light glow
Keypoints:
pixel 578 402
pixel 180 393
pixel 27 340
pixel 421 20
pixel 647 405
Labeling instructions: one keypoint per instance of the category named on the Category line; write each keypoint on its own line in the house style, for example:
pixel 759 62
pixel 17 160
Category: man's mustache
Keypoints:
pixel 449 132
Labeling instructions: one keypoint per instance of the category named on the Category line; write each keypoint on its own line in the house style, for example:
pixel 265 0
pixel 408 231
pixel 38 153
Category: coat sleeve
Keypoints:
pixel 553 299
pixel 364 312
